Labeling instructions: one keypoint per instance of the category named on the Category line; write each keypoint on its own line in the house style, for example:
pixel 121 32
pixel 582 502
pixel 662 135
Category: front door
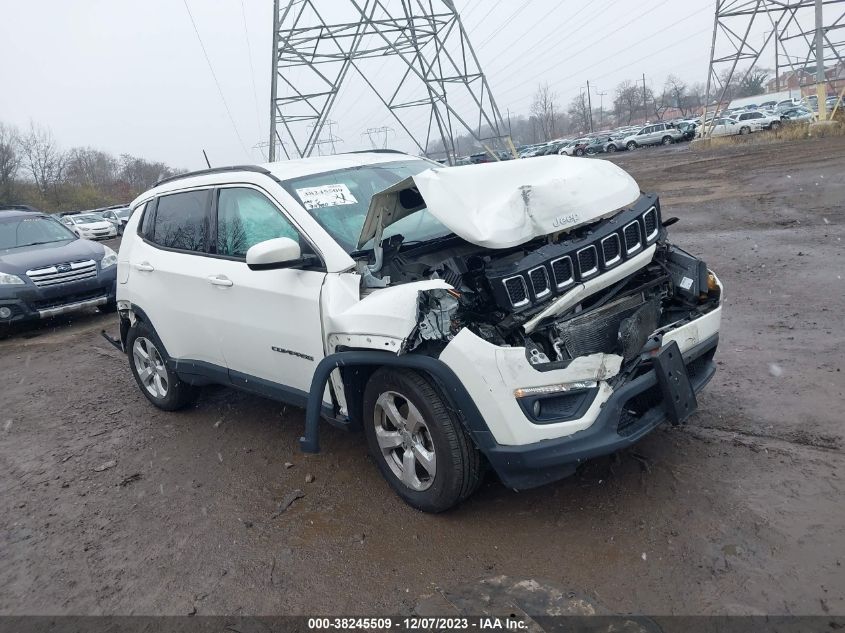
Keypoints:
pixel 268 321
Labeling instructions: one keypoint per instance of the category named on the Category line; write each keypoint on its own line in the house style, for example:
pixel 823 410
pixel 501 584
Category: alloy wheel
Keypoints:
pixel 150 367
pixel 405 440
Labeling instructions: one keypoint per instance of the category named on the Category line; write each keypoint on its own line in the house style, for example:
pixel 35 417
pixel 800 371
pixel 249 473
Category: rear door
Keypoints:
pixel 267 321
pixel 169 271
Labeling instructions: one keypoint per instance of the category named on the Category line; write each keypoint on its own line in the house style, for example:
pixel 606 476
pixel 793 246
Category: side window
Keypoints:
pixel 246 217
pixel 181 221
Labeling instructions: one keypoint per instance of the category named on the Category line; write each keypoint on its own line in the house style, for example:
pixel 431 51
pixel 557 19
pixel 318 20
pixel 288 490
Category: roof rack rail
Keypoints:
pixel 213 170
pixel 376 151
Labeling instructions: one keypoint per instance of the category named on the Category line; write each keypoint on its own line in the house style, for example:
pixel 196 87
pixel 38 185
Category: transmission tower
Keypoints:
pixel 801 36
pixel 372 132
pixel 435 72
pixel 324 140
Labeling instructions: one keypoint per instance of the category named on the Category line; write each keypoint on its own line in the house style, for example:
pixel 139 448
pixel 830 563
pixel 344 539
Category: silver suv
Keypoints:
pixel 655 134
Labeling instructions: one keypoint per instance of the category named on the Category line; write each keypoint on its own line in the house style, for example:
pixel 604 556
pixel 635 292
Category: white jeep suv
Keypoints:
pixel 521 315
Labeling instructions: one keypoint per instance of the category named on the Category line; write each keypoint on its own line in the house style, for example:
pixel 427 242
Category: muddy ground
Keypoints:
pixel 739 511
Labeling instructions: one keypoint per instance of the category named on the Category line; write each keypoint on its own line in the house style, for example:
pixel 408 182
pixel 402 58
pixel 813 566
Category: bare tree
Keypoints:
pixel 675 93
pixel 543 109
pixel 580 112
pixel 627 101
pixel 42 158
pixel 91 167
pixel 10 160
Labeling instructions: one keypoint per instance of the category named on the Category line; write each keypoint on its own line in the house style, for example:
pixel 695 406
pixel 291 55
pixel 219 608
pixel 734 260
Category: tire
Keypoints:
pixel 632 145
pixel 611 148
pixel 667 140
pixel 579 152
pixel 744 130
pixel 775 125
pixel 405 418
pixel 164 388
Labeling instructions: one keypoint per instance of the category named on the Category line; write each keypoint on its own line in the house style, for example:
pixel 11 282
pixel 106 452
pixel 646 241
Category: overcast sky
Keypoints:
pixel 130 76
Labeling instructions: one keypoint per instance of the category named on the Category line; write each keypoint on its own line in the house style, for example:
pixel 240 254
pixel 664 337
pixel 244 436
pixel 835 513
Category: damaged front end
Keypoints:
pixel 608 288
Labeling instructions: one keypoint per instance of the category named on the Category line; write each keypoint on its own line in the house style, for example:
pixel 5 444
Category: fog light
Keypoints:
pixel 537 409
pixel 559 388
pixel 5 312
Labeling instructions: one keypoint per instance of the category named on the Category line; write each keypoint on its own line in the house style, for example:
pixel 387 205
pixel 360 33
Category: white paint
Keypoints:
pixel 507 203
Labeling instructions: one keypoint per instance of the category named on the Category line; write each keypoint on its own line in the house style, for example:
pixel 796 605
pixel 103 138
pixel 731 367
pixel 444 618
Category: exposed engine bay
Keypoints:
pixel 603 287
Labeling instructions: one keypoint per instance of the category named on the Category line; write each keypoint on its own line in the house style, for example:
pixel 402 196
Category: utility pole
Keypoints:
pixel 821 89
pixel 509 123
pixel 590 106
pixel 645 107
pixel 271 150
pixel 601 108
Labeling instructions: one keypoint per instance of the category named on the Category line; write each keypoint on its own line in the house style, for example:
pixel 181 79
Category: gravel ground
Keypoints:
pixel 110 506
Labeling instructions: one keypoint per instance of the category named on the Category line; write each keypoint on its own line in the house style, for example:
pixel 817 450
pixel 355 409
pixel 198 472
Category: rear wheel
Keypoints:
pixel 745 130
pixel 668 140
pixel 420 447
pixel 631 146
pixel 611 148
pixel 579 152
pixel 775 125
pixel 157 381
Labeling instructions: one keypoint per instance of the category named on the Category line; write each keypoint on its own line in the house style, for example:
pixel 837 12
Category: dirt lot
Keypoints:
pixel 740 511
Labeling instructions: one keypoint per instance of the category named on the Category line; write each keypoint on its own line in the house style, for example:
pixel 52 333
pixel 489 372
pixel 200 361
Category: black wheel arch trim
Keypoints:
pixel 436 370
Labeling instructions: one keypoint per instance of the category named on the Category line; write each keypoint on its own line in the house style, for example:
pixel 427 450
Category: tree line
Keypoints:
pixel 36 171
pixel 630 102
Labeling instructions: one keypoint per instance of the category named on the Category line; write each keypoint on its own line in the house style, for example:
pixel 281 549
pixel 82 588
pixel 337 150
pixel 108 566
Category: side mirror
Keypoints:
pixel 281 252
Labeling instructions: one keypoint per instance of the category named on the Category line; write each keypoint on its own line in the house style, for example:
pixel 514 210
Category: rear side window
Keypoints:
pixel 246 217
pixel 182 221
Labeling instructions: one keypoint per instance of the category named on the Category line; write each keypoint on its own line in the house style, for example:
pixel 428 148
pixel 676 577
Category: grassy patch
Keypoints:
pixel 786 133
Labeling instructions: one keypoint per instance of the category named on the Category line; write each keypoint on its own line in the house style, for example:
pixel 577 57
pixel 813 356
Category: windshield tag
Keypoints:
pixel 325 196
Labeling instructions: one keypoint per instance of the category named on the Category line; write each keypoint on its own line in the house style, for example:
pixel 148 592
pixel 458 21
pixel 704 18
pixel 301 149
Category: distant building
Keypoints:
pixel 804 79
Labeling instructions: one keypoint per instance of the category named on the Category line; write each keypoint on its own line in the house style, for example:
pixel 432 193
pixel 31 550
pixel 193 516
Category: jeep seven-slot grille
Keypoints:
pixel 556 268
pixel 632 237
pixel 63 273
pixel 516 289
pixel 562 269
pixel 587 261
pixel 539 281
pixel 650 222
pixel 611 249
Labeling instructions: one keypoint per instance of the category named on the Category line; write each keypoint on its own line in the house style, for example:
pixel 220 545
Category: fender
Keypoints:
pixel 445 379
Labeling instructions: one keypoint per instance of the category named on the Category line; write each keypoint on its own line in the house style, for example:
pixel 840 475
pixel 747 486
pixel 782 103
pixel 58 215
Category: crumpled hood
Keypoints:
pixel 504 204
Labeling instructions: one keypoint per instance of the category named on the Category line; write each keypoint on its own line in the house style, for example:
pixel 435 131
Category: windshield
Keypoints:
pixel 87 218
pixel 123 213
pixel 339 201
pixel 27 231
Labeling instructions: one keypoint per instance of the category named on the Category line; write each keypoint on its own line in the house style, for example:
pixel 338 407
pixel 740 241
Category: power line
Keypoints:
pixel 216 82
pixel 616 53
pixel 252 76
pixel 506 22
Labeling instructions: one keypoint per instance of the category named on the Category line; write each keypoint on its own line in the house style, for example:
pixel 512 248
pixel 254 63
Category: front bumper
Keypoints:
pixel 29 302
pixel 631 412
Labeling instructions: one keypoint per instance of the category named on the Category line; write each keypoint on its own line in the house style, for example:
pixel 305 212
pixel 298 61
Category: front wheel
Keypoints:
pixel 148 361
pixel 631 146
pixel 775 125
pixel 419 445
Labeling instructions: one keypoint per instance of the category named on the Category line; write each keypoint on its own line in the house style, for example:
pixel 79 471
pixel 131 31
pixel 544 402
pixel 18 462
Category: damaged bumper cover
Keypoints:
pixel 628 415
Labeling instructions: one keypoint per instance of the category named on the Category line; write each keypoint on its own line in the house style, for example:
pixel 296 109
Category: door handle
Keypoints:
pixel 145 267
pixel 220 280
